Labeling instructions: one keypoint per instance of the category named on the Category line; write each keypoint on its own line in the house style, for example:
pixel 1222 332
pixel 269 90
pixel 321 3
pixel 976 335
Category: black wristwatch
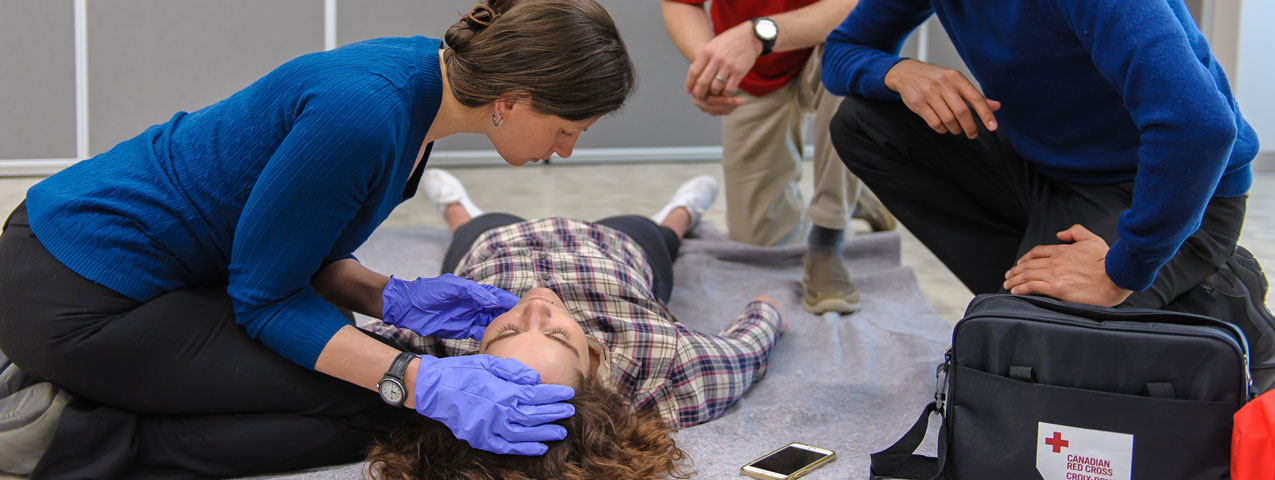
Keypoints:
pixel 767 31
pixel 391 385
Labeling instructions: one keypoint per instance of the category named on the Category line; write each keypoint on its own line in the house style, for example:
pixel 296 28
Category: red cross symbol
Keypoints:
pixel 1057 442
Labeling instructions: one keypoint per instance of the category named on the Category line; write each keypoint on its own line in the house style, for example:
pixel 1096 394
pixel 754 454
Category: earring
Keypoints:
pixel 496 120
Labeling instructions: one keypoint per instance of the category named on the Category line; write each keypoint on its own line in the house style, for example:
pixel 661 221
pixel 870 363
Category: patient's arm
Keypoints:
pixel 711 372
pixel 346 283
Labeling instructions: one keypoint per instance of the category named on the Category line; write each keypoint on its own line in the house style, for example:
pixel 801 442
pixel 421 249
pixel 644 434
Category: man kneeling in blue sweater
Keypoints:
pixel 1107 164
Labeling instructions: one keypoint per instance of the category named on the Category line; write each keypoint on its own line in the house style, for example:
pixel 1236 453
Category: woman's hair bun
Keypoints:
pixel 477 20
pixel 480 17
pixel 529 50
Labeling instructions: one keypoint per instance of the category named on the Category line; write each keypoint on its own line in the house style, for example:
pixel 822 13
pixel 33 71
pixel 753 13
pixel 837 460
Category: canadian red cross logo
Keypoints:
pixel 1057 442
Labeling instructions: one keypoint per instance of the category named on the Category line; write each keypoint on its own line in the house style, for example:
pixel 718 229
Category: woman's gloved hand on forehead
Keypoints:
pixel 445 306
pixel 495 404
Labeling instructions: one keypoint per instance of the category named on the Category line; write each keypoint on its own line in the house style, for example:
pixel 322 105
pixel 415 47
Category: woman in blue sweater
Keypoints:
pixel 190 287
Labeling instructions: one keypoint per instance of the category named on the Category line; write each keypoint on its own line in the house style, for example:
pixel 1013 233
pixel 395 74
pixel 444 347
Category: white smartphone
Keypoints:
pixel 788 462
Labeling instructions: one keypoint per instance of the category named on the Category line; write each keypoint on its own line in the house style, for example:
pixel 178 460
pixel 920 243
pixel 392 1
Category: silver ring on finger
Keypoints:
pixel 719 78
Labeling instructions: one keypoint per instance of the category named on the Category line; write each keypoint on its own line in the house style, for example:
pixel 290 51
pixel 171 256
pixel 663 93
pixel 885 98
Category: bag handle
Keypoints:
pixel 1103 314
pixel 899 461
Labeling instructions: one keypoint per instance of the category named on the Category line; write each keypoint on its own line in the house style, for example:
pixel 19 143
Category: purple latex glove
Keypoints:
pixel 445 306
pixel 495 404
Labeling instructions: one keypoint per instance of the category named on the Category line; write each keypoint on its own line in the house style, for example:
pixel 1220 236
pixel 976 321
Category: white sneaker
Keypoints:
pixel 443 189
pixel 697 195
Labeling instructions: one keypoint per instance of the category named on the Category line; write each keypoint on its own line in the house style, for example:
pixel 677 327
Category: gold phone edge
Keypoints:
pixel 831 456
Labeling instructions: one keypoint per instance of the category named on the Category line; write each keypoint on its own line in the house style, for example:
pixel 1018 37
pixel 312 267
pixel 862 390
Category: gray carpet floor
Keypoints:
pixel 852 384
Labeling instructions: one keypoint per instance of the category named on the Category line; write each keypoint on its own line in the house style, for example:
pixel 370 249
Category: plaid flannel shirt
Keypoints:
pixel 605 282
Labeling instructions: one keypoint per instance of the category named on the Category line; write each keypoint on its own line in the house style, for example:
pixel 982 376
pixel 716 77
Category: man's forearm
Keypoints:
pixel 348 284
pixel 808 26
pixel 688 26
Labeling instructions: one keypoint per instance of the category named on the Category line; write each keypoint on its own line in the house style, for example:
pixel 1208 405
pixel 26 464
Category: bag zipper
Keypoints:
pixel 1236 340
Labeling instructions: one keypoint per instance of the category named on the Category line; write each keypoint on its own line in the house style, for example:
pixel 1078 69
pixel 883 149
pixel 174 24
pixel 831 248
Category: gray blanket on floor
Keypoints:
pixel 853 384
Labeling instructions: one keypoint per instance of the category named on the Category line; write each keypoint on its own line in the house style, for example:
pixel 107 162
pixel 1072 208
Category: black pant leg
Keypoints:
pixel 95 441
pixel 465 236
pixel 1209 275
pixel 659 243
pixel 1098 209
pixel 966 200
pixel 175 356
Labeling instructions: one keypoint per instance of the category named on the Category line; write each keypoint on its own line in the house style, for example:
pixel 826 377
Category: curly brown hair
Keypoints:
pixel 606 438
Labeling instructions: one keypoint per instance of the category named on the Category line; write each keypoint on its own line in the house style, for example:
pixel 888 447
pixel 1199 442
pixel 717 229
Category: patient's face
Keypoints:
pixel 540 333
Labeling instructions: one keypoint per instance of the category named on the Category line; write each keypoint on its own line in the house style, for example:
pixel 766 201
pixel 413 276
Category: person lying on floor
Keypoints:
pixel 592 315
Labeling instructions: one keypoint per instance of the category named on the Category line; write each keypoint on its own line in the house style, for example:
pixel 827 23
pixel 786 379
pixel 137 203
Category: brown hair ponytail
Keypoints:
pixel 566 54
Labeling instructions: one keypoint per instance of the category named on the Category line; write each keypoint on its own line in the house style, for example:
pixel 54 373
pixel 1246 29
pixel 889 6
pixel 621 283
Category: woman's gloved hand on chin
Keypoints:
pixel 445 306
pixel 496 404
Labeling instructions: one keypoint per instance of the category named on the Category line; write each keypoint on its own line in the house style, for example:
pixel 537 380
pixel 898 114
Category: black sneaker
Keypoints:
pixel 1262 339
pixel 1236 293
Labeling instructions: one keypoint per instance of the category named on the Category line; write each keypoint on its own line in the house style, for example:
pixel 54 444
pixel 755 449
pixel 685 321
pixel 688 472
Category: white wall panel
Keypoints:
pixel 148 59
pixel 37 79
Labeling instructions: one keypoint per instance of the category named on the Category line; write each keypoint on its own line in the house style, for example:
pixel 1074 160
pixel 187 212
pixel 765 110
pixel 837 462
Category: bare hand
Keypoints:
pixel 718 104
pixel 942 97
pixel 729 56
pixel 1074 272
pixel 783 324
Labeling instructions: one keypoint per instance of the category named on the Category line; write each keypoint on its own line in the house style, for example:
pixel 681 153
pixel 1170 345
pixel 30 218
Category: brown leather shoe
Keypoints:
pixel 827 284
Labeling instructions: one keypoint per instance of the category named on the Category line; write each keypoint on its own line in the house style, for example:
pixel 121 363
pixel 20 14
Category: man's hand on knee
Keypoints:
pixel 942 96
pixel 1074 271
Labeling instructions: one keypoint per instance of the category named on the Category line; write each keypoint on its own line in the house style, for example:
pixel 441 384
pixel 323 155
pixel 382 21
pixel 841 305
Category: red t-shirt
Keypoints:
pixel 773 71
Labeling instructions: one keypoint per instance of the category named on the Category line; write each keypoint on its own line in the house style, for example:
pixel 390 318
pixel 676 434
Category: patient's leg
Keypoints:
pixel 465 220
pixel 450 198
pixel 660 236
pixel 456 215
pixel 679 221
pixel 464 236
pixel 659 242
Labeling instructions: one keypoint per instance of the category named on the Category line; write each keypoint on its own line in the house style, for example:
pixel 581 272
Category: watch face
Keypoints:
pixel 391 392
pixel 766 29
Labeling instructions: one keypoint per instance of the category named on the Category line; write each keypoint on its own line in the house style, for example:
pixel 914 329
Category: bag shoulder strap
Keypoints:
pixel 900 461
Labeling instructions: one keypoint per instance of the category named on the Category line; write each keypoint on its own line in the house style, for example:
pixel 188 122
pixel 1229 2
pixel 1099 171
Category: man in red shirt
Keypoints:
pixel 753 65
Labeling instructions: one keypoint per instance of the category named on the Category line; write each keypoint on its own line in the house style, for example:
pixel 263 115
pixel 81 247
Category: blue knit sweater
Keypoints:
pixel 253 193
pixel 1092 92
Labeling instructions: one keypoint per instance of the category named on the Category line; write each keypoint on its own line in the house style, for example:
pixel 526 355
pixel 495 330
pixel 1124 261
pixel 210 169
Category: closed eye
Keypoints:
pixel 501 335
pixel 553 331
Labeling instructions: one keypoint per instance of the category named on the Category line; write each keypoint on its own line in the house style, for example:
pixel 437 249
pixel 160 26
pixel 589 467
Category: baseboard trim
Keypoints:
pixel 34 167
pixel 586 156
pixel 39 167
pixel 456 158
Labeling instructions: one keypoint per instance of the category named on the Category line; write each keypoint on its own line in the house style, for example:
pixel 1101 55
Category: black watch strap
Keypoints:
pixel 767 44
pixel 399 367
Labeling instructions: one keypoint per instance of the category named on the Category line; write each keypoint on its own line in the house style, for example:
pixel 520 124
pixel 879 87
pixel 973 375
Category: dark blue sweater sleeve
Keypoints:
pixel 311 188
pixel 859 52
pixel 1186 125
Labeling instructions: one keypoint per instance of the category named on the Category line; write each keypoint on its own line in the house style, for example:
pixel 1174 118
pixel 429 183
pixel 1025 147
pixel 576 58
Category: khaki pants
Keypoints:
pixel 761 159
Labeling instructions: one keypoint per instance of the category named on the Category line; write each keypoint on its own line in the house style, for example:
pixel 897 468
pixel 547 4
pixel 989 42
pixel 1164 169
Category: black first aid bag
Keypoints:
pixel 1035 388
